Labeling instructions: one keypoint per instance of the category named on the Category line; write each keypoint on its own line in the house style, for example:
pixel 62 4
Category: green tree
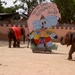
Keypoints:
pixel 1 7
pixel 10 10
pixel 30 4
pixel 67 10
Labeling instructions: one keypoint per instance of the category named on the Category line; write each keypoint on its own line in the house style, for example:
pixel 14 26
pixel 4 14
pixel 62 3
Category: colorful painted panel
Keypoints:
pixel 42 18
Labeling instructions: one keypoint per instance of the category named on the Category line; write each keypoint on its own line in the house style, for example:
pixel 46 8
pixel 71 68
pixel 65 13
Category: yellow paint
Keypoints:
pixel 51 30
pixel 37 36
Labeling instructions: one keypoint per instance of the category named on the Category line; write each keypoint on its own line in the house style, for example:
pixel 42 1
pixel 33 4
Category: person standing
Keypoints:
pixel 28 41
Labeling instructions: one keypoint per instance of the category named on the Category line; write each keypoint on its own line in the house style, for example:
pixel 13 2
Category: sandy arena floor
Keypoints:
pixel 21 61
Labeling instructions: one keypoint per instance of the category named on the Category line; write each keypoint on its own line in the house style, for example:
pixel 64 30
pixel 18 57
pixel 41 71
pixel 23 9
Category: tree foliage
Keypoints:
pixel 67 10
pixel 1 7
pixel 30 4
pixel 10 10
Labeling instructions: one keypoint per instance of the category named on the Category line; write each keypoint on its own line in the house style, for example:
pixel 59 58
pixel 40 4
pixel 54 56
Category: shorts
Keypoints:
pixel 42 38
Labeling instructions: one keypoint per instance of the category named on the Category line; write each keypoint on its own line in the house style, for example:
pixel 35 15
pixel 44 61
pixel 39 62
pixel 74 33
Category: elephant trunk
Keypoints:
pixel 62 41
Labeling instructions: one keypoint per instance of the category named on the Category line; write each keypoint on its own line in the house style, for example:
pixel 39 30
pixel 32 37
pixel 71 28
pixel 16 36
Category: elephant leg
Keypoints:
pixel 9 43
pixel 14 44
pixel 18 43
pixel 71 52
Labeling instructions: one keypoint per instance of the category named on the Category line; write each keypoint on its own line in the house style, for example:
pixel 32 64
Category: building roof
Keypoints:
pixel 7 16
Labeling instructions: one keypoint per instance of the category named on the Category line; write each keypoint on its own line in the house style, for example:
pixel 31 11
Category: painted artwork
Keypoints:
pixel 42 18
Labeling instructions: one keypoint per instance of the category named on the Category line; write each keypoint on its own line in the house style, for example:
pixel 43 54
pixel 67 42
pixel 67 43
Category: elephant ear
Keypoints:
pixel 52 21
pixel 36 25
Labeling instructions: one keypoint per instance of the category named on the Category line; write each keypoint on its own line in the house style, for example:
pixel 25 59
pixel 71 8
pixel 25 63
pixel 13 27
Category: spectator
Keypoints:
pixel 28 40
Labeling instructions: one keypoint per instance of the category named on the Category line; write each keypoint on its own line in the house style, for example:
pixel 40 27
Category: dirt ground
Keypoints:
pixel 21 61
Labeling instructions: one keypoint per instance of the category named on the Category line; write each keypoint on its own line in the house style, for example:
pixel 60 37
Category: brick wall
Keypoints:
pixel 60 31
pixel 4 30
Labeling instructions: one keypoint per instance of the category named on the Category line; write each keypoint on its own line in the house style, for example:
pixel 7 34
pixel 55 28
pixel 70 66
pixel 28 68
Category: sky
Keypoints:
pixel 10 2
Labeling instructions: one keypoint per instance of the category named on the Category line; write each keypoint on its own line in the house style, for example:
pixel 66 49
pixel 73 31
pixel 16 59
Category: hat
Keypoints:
pixel 42 17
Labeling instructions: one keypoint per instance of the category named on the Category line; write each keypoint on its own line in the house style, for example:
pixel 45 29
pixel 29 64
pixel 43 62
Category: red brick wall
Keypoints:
pixel 62 31
pixel 4 30
pixel 59 31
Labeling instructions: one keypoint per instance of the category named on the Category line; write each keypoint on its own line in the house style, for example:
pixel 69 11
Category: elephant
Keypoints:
pixel 15 33
pixel 69 39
